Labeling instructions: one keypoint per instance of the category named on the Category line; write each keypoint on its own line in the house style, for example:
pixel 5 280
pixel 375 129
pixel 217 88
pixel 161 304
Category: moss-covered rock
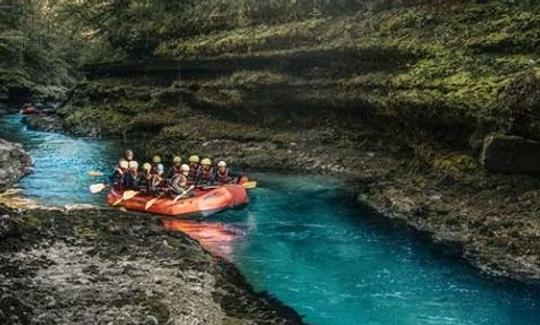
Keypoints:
pixel 520 105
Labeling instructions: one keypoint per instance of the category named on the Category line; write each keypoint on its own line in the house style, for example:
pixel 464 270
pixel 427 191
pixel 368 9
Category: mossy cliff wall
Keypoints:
pixel 446 74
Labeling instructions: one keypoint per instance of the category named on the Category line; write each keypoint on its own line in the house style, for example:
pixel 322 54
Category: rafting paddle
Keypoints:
pixel 247 185
pixel 183 194
pixel 250 185
pixel 151 202
pixel 95 173
pixel 96 188
pixel 127 195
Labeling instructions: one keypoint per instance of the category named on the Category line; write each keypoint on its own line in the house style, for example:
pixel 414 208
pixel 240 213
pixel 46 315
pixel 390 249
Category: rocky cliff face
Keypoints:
pixel 14 162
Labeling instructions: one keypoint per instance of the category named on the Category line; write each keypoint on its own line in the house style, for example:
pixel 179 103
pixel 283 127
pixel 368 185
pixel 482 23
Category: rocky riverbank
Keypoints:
pixel 14 163
pixel 491 220
pixel 103 266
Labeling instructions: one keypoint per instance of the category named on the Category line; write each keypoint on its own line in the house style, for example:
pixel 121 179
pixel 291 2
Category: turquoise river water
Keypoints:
pixel 301 242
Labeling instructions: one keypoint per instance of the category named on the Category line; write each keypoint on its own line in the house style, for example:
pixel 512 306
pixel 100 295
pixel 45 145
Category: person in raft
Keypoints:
pixel 145 180
pixel 128 155
pixel 152 177
pixel 175 168
pixel 117 177
pixel 158 182
pixel 179 182
pixel 223 174
pixel 205 174
pixel 193 168
pixel 155 162
pixel 132 177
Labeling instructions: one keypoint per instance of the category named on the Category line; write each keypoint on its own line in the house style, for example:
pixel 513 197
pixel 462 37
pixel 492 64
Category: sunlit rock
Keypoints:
pixel 14 162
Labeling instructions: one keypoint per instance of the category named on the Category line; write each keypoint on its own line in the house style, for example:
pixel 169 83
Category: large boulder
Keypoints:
pixel 14 162
pixel 518 111
pixel 511 154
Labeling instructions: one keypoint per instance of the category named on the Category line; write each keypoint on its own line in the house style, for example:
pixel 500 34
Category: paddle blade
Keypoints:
pixel 129 195
pixel 250 185
pixel 95 173
pixel 115 203
pixel 150 203
pixel 96 188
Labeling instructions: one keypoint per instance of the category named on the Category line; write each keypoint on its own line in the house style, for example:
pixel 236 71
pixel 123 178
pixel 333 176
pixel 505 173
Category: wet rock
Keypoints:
pixel 511 154
pixel 14 162
pixel 43 123
pixel 67 268
pixel 401 203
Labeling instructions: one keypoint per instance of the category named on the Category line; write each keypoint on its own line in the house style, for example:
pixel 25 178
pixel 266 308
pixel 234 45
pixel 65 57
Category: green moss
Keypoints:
pixel 454 162
pixel 242 40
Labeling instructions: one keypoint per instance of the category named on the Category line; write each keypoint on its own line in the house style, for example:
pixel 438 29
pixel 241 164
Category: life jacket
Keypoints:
pixel 193 172
pixel 179 183
pixel 205 174
pixel 223 177
pixel 145 179
pixel 117 178
pixel 173 171
pixel 157 182
pixel 179 180
pixel 130 180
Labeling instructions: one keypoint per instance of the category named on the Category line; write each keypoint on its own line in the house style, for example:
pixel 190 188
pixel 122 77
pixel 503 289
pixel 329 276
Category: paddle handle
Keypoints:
pixel 184 193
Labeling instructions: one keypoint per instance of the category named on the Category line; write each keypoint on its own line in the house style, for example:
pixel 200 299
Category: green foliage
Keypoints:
pixel 137 27
pixel 36 50
pixel 438 69
pixel 116 107
pixel 244 40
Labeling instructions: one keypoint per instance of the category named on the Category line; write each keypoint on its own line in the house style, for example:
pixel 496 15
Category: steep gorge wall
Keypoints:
pixel 443 74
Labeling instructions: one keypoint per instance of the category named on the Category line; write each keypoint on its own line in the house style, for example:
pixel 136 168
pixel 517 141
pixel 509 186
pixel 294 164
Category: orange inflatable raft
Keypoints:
pixel 204 202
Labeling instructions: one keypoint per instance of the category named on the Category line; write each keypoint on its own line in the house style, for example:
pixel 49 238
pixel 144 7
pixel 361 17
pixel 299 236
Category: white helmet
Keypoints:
pixel 160 168
pixel 133 164
pixel 222 164
pixel 147 166
pixel 128 154
pixel 124 164
pixel 184 168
